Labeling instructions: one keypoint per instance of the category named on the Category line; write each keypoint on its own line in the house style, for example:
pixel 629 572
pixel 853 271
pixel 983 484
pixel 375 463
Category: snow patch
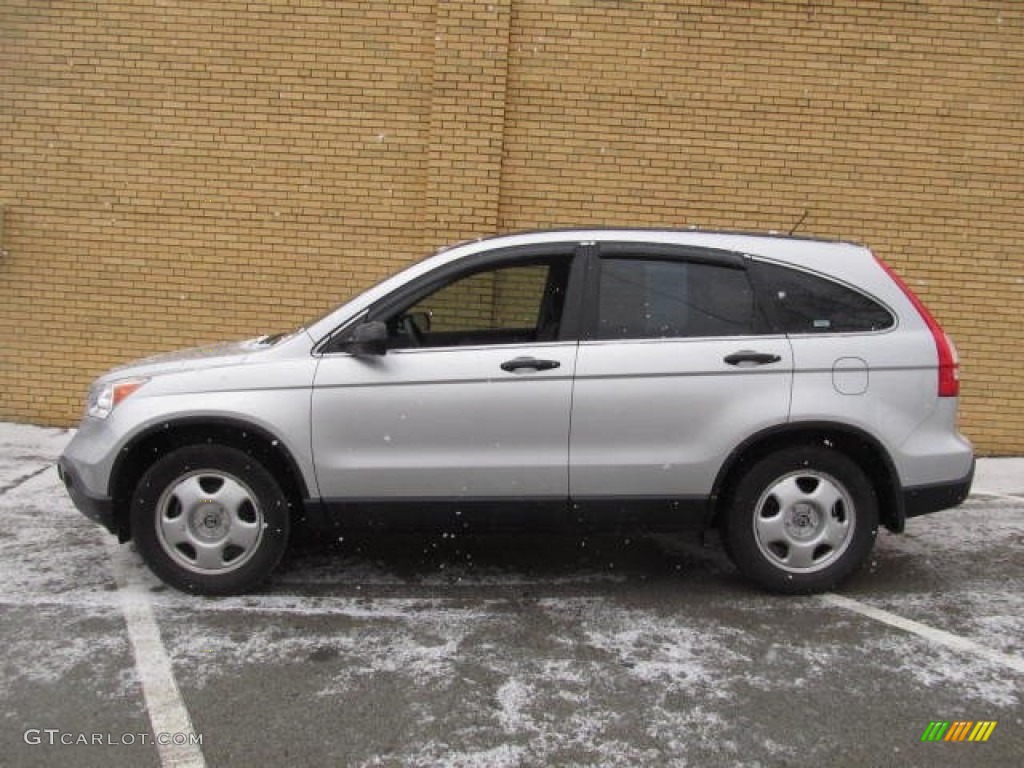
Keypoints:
pixel 513 697
pixel 935 667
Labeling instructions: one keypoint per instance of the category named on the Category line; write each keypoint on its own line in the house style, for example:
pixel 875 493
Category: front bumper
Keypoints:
pixel 98 508
pixel 925 499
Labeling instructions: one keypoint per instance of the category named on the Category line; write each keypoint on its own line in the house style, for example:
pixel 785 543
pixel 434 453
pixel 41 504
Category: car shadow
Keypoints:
pixel 442 563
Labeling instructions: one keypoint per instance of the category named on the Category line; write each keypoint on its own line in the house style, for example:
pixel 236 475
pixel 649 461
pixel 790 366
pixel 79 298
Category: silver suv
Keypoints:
pixel 792 393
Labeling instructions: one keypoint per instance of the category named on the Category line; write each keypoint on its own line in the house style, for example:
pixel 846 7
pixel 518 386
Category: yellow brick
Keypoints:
pixel 270 160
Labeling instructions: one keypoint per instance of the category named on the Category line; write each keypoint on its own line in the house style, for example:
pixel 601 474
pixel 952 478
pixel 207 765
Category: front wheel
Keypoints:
pixel 801 520
pixel 210 519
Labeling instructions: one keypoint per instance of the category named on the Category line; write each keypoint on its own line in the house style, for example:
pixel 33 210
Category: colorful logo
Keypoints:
pixel 958 730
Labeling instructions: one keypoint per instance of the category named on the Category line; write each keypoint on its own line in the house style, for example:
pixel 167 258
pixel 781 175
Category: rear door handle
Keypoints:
pixel 532 363
pixel 750 357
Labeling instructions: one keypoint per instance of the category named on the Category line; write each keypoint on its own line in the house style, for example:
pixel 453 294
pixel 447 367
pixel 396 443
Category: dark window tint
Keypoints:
pixel 806 303
pixel 648 298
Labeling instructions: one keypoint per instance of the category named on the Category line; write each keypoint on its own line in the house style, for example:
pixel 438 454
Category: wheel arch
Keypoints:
pixel 139 453
pixel 855 443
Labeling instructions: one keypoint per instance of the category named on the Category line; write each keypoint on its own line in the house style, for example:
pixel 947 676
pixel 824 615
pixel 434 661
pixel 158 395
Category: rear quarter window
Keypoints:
pixel 802 302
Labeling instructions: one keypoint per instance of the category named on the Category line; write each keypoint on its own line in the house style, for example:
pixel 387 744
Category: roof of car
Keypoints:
pixel 612 233
pixel 768 244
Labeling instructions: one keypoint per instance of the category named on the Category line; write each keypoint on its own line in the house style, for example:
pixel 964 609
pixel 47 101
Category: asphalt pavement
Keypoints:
pixel 443 650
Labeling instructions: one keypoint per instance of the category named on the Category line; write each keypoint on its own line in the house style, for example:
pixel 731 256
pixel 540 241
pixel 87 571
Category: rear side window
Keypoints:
pixel 655 298
pixel 806 303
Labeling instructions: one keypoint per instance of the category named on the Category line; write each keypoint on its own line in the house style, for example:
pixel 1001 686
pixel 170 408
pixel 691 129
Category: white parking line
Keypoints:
pixel 937 636
pixel 167 712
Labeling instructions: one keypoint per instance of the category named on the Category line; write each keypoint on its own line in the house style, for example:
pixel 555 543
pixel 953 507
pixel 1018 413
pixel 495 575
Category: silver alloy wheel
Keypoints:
pixel 804 522
pixel 209 521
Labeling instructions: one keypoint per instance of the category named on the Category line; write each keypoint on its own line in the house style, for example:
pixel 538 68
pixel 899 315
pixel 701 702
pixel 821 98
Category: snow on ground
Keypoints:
pixel 1003 475
pixel 26 450
pixel 48 550
pixel 646 656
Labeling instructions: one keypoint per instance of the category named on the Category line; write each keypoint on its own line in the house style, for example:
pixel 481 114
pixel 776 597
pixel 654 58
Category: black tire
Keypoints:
pixel 210 519
pixel 801 520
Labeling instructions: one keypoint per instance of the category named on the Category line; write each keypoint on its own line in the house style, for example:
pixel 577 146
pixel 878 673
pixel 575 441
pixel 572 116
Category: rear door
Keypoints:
pixel 676 367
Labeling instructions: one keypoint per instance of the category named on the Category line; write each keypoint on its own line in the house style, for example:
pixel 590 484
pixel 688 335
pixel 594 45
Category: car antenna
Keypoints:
pixel 801 221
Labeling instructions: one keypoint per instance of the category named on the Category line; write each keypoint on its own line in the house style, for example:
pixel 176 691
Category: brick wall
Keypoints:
pixel 174 173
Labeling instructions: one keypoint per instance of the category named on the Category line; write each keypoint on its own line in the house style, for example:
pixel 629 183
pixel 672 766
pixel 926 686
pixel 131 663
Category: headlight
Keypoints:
pixel 104 398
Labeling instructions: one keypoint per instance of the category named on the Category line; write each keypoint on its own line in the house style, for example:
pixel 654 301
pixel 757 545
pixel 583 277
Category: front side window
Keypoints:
pixel 659 298
pixel 509 304
pixel 805 303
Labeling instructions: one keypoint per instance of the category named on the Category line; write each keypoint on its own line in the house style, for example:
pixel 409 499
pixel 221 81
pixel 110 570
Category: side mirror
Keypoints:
pixel 368 339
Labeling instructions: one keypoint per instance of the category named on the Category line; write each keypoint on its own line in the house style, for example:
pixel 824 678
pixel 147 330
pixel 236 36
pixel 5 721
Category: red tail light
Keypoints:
pixel 949 365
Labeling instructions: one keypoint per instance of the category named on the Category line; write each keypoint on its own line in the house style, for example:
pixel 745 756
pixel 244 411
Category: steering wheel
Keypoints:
pixel 412 331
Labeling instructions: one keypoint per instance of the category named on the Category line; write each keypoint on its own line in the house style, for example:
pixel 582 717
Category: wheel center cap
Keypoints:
pixel 802 521
pixel 209 521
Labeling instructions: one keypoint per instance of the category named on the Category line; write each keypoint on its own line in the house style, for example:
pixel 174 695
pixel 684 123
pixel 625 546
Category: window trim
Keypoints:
pixel 671 252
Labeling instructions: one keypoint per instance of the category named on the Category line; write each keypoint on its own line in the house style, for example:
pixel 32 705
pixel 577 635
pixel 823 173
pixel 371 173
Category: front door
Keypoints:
pixel 471 399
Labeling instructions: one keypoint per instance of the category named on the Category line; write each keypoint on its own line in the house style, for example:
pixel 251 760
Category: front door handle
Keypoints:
pixel 750 357
pixel 531 363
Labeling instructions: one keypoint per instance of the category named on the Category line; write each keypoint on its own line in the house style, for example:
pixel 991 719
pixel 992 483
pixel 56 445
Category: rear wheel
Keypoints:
pixel 801 520
pixel 210 519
